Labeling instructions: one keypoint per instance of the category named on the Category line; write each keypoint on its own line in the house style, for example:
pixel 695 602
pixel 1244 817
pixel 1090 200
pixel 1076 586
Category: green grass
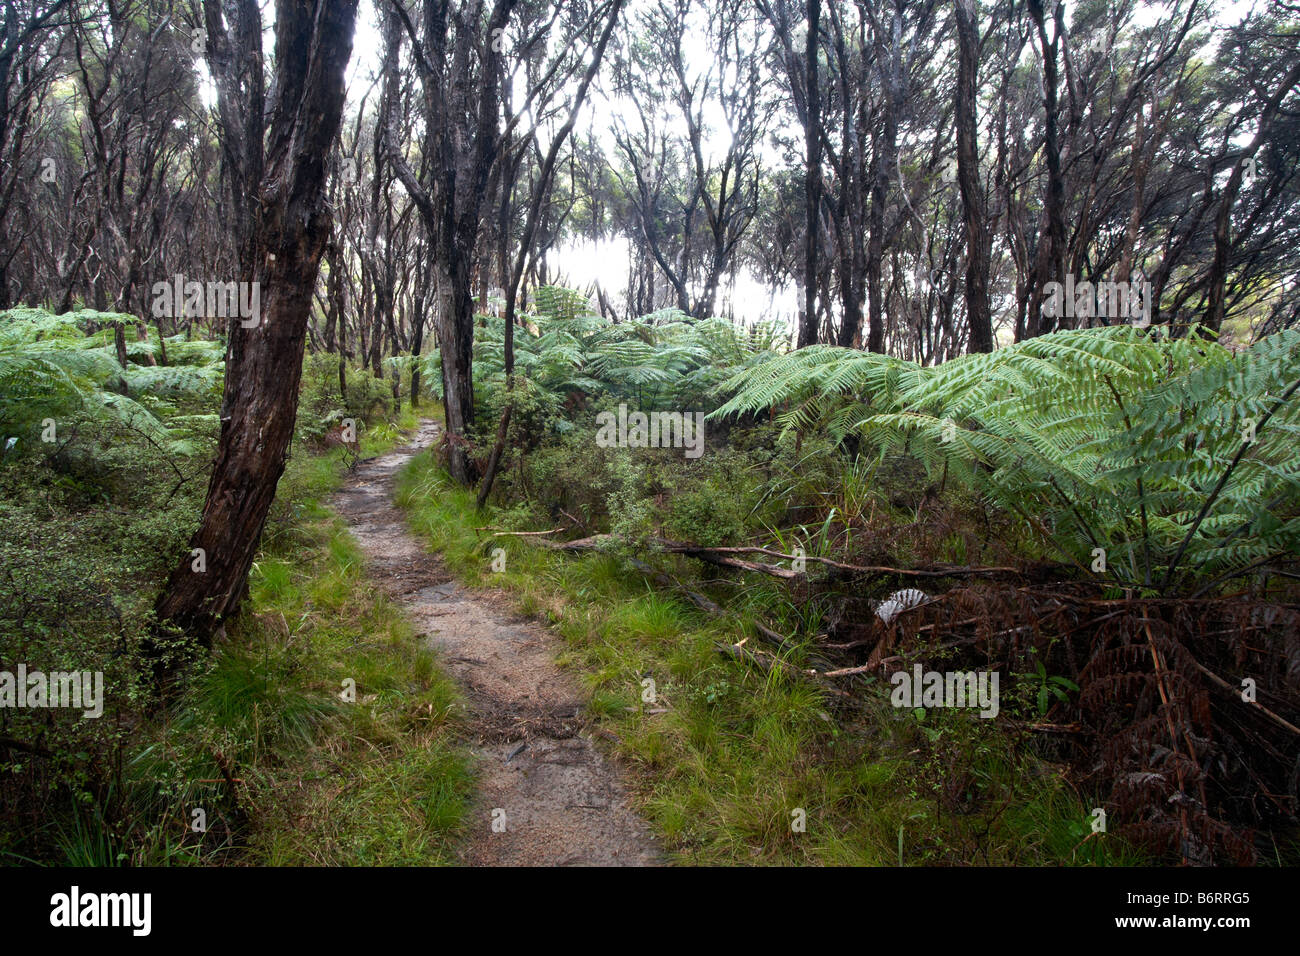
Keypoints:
pixel 317 780
pixel 722 772
pixel 252 735
pixel 382 781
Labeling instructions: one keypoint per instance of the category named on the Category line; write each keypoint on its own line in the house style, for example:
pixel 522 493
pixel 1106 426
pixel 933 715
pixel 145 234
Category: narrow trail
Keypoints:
pixel 562 799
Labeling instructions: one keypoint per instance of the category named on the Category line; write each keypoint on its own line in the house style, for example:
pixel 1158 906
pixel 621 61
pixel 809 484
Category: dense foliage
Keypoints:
pixel 1089 507
pixel 1176 456
pixel 103 470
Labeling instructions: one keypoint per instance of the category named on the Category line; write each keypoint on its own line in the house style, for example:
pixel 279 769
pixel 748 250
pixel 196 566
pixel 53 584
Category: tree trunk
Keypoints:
pixel 454 324
pixel 808 324
pixel 541 190
pixel 1050 263
pixel 972 194
pixel 264 361
pixel 1216 303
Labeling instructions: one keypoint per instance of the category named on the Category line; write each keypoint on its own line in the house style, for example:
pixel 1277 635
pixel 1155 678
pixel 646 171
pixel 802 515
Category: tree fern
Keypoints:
pixel 1115 439
pixel 64 367
pixel 662 360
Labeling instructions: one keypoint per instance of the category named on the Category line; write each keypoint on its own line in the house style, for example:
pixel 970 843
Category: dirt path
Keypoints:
pixel 562 801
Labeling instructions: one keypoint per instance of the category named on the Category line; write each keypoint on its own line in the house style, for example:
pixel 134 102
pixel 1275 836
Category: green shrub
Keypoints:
pixel 321 406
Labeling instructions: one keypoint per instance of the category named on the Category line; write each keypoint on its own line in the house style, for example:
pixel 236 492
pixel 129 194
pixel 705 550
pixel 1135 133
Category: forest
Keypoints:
pixel 666 432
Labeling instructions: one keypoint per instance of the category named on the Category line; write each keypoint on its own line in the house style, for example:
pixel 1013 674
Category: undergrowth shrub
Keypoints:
pixel 91 522
pixel 1127 503
pixel 321 406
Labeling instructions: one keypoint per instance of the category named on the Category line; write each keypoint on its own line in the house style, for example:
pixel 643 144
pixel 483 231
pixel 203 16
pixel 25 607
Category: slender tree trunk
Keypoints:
pixel 1216 304
pixel 541 190
pixel 890 71
pixel 1051 251
pixel 808 325
pixel 264 361
pixel 972 193
pixel 417 343
pixel 454 324
pixel 1141 164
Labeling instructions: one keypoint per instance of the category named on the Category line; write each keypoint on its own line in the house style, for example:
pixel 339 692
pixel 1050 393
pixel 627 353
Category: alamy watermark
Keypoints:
pixel 80 690
pixel 926 689
pixel 1111 300
pixel 222 300
pixel 129 910
pixel 652 430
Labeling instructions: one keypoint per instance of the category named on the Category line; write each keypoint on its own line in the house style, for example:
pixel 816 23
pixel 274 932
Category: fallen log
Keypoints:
pixel 726 557
pixel 1045 728
pixel 594 542
pixel 739 653
pixel 849 671
pixel 524 534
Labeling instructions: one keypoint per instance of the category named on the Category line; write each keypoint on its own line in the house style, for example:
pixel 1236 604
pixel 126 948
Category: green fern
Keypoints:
pixel 662 360
pixel 1116 439
pixel 63 368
